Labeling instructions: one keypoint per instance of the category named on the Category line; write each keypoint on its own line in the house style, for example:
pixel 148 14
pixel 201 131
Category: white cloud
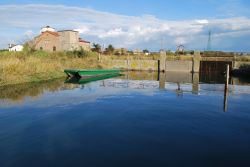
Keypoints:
pixel 180 41
pixel 120 30
pixel 82 29
pixel 117 32
pixel 202 21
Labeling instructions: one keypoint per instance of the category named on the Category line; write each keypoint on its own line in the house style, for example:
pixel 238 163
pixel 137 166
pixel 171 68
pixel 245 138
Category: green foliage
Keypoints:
pixel 97 48
pixel 243 58
pixel 19 67
pixel 27 49
pixel 110 49
pixel 4 50
pixel 145 51
pixel 40 53
pixel 169 53
pixel 81 53
pixel 215 53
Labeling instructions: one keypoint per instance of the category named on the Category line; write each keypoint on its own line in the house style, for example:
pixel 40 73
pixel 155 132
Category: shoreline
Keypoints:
pixel 28 67
pixel 39 66
pixel 34 81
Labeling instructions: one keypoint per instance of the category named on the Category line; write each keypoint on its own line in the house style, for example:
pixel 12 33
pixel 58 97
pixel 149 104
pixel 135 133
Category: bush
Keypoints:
pixel 21 67
pixel 4 50
pixel 81 53
pixel 40 54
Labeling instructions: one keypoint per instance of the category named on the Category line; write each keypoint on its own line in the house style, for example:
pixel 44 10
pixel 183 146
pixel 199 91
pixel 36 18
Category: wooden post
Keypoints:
pixel 158 70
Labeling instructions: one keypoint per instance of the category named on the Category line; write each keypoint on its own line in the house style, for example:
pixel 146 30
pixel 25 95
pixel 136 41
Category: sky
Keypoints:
pixel 133 24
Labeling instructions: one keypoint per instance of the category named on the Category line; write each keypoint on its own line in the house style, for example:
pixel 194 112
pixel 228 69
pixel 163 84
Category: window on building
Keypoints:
pixel 41 48
pixel 54 48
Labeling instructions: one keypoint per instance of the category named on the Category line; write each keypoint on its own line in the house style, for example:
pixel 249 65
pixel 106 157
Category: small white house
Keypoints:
pixel 15 48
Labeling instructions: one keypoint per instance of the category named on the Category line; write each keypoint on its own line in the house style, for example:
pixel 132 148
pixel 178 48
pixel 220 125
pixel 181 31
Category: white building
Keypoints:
pixel 15 48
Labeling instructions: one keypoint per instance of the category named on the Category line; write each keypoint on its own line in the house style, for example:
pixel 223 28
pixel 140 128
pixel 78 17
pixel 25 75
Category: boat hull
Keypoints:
pixel 90 73
pixel 85 79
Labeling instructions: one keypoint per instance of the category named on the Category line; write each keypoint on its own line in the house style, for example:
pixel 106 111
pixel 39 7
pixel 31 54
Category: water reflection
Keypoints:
pixel 158 119
pixel 225 102
pixel 18 93
pixel 177 82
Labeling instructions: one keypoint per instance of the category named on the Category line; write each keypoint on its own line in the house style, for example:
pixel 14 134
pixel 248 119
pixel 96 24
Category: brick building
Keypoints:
pixel 65 40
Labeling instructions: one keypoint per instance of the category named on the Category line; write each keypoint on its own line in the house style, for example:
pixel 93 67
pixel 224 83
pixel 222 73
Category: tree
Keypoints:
pixel 97 48
pixel 110 49
pixel 145 51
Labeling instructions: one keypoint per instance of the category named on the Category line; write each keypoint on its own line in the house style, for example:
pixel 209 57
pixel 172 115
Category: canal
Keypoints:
pixel 138 119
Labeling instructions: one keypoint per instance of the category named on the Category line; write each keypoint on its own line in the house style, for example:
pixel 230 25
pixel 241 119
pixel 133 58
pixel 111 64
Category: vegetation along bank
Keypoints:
pixel 36 66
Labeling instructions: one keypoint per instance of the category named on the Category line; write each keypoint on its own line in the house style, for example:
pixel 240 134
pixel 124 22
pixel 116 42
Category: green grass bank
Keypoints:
pixel 36 66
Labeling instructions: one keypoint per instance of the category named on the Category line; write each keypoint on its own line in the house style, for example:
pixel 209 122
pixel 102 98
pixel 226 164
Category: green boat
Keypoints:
pixel 90 73
pixel 75 80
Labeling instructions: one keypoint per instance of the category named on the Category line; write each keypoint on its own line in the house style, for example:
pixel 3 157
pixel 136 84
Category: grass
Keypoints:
pixel 132 57
pixel 169 56
pixel 242 58
pixel 36 66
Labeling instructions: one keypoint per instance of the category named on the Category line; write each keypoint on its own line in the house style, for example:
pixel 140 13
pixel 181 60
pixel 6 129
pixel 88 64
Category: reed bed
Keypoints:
pixel 22 67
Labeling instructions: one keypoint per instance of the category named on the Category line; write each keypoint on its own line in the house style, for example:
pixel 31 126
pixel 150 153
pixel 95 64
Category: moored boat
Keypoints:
pixel 85 80
pixel 90 73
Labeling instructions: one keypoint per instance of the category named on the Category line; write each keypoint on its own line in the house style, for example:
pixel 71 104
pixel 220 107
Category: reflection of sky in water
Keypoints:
pixel 85 94
pixel 108 122
pixel 109 88
pixel 58 93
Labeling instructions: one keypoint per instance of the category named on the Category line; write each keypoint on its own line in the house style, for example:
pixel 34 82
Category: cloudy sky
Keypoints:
pixel 134 24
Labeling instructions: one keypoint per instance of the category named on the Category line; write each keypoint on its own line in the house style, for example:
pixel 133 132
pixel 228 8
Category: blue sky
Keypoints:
pixel 165 9
pixel 133 23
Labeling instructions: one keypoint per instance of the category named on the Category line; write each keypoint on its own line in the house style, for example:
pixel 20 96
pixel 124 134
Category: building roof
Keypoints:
pixel 81 40
pixel 67 30
pixel 52 33
pixel 49 32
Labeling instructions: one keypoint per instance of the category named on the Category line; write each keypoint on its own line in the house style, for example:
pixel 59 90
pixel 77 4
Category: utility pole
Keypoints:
pixel 209 45
pixel 162 43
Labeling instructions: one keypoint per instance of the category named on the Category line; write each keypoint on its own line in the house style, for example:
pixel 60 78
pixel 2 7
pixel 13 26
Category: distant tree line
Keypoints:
pixel 111 50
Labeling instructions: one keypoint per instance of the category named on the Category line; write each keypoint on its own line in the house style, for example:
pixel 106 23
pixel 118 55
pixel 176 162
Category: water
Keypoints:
pixel 132 120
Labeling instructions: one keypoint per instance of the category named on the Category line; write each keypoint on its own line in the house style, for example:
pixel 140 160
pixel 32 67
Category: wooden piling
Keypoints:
pixel 159 70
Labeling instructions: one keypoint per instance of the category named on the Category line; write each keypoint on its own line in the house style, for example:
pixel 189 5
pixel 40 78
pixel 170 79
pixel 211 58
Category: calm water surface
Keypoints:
pixel 132 120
